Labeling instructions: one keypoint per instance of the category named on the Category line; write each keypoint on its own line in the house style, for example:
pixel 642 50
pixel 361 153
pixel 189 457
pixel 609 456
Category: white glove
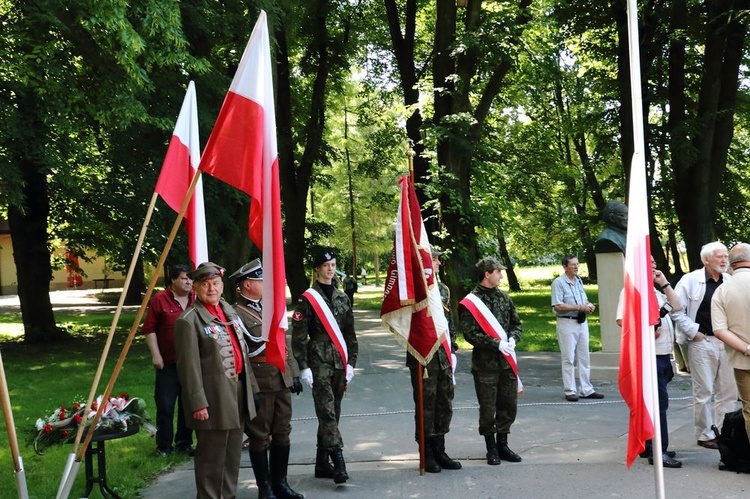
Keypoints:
pixel 306 376
pixel 454 361
pixel 505 348
pixel 512 342
pixel 349 373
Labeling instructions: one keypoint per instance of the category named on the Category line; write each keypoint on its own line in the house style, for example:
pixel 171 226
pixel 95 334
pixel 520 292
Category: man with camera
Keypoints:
pixel 664 338
pixel 571 306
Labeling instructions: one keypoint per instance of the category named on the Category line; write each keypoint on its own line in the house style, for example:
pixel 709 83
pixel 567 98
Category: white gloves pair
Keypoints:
pixel 507 347
pixel 307 377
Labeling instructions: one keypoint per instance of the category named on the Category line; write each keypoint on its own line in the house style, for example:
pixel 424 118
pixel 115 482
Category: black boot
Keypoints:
pixel 259 461
pixel 504 451
pixel 493 458
pixel 430 462
pixel 441 457
pixel 323 467
pixel 339 466
pixel 279 465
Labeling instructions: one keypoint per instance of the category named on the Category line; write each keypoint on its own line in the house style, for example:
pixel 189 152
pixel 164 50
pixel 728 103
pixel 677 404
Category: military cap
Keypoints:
pixel 488 264
pixel 323 256
pixel 435 253
pixel 206 270
pixel 252 270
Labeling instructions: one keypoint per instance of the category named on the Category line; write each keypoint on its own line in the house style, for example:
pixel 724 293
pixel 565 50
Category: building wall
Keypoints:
pixel 93 278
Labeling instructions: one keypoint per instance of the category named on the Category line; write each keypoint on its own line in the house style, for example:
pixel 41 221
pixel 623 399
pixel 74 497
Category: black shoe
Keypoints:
pixel 339 467
pixel 493 457
pixel 185 449
pixel 279 461
pixel 323 466
pixel 504 451
pixel 441 457
pixel 709 444
pixel 668 462
pixel 165 451
pixel 571 398
pixel 593 395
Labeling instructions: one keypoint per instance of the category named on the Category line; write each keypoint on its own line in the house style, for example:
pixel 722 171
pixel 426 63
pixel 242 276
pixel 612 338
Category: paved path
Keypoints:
pixel 570 450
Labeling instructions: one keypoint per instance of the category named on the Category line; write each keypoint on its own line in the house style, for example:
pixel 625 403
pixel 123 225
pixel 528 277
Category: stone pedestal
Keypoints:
pixel 610 269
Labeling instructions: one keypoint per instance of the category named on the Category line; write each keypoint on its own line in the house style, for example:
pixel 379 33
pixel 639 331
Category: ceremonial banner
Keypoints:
pixel 242 152
pixel 411 308
pixel 180 165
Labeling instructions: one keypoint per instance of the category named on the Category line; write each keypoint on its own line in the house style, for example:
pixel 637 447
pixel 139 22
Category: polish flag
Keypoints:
pixel 180 165
pixel 637 380
pixel 242 152
pixel 412 308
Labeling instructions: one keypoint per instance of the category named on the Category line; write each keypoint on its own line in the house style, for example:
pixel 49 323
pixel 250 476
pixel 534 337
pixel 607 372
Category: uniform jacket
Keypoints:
pixel 306 325
pixel 691 289
pixel 206 380
pixel 253 322
pixel 486 354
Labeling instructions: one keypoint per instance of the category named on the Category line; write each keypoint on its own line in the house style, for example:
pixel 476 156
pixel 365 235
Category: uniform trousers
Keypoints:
pixel 713 378
pixel 328 389
pixel 574 350
pixel 274 412
pixel 217 457
pixel 437 395
pixel 497 394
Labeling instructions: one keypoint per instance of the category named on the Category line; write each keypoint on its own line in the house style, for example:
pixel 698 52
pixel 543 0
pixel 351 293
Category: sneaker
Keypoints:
pixel 593 395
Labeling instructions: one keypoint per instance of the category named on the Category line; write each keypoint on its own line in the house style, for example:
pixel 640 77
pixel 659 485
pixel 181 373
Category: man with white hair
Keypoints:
pixel 709 365
pixel 730 314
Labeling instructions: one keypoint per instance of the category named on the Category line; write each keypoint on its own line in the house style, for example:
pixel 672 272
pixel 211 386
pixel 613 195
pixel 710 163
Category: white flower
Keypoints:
pixel 39 424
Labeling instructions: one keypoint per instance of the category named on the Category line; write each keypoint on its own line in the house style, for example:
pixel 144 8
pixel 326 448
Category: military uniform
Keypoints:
pixel 314 349
pixel 211 380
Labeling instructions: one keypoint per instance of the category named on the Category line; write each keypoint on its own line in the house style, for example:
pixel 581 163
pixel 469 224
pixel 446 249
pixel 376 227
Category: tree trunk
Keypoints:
pixel 513 283
pixel 28 228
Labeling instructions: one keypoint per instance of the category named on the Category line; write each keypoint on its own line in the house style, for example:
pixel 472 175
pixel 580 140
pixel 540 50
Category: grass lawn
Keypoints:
pixel 43 377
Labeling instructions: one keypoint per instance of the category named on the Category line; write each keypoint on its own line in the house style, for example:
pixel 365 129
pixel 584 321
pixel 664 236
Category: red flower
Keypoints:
pixel 65 433
pixel 124 396
pixel 77 419
pixel 76 406
pixel 47 428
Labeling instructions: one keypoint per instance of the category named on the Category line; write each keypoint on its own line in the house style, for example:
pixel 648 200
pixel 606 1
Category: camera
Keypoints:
pixel 581 317
pixel 663 311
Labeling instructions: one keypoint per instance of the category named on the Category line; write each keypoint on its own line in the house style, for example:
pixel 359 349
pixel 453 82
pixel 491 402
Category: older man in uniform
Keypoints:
pixel 492 360
pixel 217 385
pixel 275 405
pixel 437 392
pixel 325 346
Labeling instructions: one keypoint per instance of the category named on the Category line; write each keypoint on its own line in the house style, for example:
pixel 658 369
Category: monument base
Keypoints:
pixel 605 366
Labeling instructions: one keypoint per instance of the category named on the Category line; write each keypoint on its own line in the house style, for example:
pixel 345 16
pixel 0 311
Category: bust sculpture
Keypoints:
pixel 613 238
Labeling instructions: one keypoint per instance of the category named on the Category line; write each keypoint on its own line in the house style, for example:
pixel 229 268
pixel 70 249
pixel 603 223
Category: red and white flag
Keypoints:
pixel 180 165
pixel 242 152
pixel 412 308
pixel 640 312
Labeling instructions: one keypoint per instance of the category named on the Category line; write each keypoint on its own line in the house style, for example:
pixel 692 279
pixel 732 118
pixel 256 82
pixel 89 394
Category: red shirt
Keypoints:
pixel 163 311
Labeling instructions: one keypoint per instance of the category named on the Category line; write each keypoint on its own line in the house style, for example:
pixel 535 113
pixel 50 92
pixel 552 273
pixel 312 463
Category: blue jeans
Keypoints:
pixel 167 392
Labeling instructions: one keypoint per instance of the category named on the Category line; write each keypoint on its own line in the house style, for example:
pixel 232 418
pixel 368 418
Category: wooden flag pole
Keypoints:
pixel 108 343
pixel 10 427
pixel 133 329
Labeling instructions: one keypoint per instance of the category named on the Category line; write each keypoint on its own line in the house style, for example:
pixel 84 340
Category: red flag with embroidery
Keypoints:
pixel 242 152
pixel 640 313
pixel 180 165
pixel 411 308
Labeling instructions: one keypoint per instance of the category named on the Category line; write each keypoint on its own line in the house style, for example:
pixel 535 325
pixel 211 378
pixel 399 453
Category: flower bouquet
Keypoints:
pixel 119 414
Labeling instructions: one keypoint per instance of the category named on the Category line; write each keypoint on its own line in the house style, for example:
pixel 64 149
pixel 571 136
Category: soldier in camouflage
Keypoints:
pixel 321 364
pixel 437 391
pixel 494 381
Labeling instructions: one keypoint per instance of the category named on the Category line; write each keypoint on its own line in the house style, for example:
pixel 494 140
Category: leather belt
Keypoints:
pixel 566 317
pixel 258 359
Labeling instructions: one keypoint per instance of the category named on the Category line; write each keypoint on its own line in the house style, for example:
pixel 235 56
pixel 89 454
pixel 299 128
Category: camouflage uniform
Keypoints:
pixel 314 349
pixel 494 381
pixel 437 386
